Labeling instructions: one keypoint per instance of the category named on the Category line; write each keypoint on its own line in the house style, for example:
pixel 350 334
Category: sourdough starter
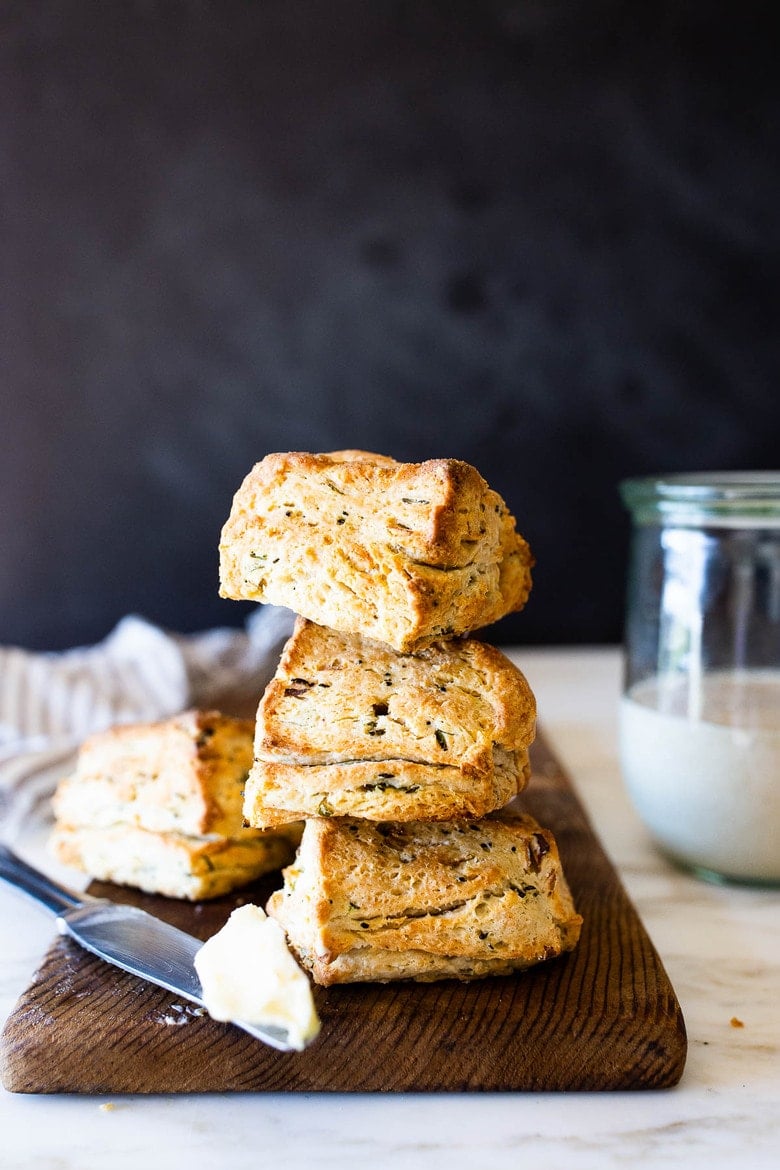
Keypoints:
pixel 702 766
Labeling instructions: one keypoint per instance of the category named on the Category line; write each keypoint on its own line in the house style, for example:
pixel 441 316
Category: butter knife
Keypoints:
pixel 127 937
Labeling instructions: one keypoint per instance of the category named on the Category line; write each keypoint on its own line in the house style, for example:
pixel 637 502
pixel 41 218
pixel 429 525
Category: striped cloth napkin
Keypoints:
pixel 49 702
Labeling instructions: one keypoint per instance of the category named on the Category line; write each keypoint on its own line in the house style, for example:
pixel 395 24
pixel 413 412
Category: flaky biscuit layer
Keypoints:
pixel 171 864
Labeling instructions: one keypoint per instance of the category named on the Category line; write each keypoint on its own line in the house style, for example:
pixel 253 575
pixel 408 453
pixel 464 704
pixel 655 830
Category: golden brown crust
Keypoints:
pixel 159 806
pixel 400 552
pixel 171 864
pixel 347 726
pixel 375 902
pixel 185 774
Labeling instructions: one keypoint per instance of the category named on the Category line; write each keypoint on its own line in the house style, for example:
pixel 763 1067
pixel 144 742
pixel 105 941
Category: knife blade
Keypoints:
pixel 127 937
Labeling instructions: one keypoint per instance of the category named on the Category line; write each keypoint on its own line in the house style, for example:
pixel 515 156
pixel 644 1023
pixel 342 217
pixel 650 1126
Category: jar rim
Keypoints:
pixel 695 497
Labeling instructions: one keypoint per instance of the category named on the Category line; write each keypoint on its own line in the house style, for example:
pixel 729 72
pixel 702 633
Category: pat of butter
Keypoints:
pixel 247 972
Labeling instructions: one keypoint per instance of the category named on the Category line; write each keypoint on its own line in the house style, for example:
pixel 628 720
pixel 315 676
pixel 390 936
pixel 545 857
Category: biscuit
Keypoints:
pixel 405 553
pixel 170 864
pixel 159 806
pixel 347 726
pixel 422 901
pixel 182 775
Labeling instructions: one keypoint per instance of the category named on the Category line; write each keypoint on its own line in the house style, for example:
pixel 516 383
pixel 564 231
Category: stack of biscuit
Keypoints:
pixel 158 806
pixel 398 739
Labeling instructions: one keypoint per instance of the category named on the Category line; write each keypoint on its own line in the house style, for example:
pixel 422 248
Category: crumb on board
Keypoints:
pixel 736 1022
pixel 178 1013
pixel 107 1107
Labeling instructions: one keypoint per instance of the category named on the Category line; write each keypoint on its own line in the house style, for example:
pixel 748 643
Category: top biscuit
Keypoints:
pixel 403 553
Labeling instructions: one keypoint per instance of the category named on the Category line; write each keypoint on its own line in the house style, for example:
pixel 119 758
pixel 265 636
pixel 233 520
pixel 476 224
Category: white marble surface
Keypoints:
pixel 720 946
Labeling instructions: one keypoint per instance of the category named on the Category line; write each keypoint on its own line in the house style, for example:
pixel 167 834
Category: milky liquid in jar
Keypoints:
pixel 701 761
pixel 700 713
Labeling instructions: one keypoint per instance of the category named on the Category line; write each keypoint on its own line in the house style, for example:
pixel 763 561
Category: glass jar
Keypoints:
pixel 700 710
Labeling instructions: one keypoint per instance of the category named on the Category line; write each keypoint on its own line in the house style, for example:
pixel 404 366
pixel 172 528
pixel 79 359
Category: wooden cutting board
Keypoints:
pixel 604 1017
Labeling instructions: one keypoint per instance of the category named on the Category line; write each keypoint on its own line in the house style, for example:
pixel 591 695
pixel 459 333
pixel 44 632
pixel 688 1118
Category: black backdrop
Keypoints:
pixel 539 236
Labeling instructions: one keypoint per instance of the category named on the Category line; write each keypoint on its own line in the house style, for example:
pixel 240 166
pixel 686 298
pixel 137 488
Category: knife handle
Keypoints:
pixel 35 884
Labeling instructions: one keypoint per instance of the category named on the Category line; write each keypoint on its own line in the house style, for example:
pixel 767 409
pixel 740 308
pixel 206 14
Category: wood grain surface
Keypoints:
pixel 604 1017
